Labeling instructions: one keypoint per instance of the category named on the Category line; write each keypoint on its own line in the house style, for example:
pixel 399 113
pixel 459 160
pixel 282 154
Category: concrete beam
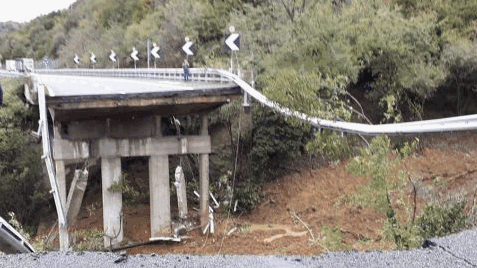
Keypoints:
pixel 159 196
pixel 141 127
pixel 104 103
pixel 112 202
pixel 71 150
pixel 86 129
pixel 152 146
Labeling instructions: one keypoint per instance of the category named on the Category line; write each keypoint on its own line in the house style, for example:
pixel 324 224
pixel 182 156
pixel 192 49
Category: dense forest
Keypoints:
pixel 372 61
pixel 311 55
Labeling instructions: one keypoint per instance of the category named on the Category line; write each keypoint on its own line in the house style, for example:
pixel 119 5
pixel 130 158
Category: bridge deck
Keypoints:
pixel 77 98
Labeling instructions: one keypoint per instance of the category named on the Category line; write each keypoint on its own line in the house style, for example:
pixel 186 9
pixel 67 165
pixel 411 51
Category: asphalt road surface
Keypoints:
pixel 61 85
pixel 459 250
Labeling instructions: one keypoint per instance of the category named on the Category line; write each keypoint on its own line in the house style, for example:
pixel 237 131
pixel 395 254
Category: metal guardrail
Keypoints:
pixel 48 156
pixel 12 241
pixel 171 74
pixel 459 123
pixel 214 75
pixel 9 74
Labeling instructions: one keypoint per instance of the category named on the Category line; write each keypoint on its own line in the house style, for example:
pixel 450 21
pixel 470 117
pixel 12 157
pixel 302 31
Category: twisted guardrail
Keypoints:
pixel 12 241
pixel 459 123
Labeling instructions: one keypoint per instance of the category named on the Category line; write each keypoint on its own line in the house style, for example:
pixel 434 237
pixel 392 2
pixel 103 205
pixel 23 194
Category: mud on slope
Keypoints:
pixel 298 211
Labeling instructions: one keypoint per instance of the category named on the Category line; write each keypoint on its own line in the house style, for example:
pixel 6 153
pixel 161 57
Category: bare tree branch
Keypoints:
pixel 290 12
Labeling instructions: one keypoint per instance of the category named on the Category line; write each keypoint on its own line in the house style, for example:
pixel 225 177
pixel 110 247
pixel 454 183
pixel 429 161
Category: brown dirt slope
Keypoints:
pixel 299 210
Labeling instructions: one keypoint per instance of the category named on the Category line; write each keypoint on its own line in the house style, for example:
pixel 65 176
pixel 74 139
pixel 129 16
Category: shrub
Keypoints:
pixel 274 142
pixel 406 236
pixel 22 189
pixel 248 194
pixel 440 221
pixel 329 143
pixel 374 161
pixel 131 195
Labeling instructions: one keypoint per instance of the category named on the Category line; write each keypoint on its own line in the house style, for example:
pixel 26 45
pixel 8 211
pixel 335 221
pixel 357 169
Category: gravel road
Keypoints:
pixel 459 250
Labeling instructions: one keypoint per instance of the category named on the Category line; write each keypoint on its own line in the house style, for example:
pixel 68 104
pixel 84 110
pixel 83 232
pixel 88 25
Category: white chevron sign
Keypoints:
pixel 233 42
pixel 76 59
pixel 134 54
pixel 154 52
pixel 189 48
pixel 112 57
pixel 93 58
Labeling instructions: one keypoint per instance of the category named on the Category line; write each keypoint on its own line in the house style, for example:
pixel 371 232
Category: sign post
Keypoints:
pixel 148 52
pixel 233 43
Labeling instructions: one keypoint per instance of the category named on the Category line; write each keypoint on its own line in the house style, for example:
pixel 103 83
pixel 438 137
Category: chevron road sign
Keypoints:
pixel 76 59
pixel 93 58
pixel 233 41
pixel 154 51
pixel 189 48
pixel 134 54
pixel 112 57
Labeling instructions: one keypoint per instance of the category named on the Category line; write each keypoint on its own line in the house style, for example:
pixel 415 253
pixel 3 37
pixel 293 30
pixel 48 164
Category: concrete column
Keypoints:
pixel 159 193
pixel 180 185
pixel 61 180
pixel 57 130
pixel 204 176
pixel 75 195
pixel 108 127
pixel 112 202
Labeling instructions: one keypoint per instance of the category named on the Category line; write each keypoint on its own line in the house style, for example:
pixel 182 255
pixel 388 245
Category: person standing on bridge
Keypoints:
pixel 185 66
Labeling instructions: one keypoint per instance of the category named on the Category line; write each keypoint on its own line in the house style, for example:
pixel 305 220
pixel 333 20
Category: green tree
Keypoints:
pixel 22 188
pixel 274 142
pixel 458 91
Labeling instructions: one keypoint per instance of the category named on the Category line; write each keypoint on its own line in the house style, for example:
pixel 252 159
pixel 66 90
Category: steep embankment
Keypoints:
pixel 304 213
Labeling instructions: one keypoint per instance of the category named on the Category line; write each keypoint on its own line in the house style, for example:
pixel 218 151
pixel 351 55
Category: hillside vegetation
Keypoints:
pixel 22 188
pixel 353 60
pixel 307 54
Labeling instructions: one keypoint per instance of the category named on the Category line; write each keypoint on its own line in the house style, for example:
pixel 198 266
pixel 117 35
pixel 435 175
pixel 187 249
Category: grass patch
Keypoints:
pixel 86 240
pixel 331 238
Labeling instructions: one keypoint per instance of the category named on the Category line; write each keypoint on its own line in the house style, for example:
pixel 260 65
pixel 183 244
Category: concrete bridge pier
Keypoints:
pixel 61 180
pixel 107 119
pixel 204 176
pixel 112 201
pixel 159 192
